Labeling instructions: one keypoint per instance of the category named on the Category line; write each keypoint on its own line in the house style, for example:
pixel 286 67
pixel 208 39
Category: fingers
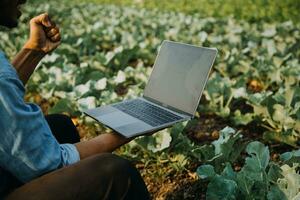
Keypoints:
pixel 53 34
pixel 50 28
pixel 55 38
pixel 43 20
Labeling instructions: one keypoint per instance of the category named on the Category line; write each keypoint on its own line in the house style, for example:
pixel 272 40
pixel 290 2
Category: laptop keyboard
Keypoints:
pixel 149 113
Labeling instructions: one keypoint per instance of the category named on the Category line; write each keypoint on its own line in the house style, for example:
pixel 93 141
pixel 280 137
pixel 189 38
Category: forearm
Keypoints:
pixel 25 63
pixel 101 144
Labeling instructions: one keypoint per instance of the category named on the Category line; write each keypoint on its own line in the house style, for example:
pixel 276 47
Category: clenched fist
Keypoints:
pixel 44 34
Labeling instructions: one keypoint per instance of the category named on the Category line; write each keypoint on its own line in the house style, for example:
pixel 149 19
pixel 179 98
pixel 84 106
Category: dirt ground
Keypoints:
pixel 184 185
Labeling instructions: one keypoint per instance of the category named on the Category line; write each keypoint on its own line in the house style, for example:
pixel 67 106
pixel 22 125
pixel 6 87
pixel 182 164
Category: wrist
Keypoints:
pixel 28 55
pixel 33 46
pixel 33 52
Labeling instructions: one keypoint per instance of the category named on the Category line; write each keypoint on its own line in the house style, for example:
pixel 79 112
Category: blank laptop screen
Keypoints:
pixel 179 75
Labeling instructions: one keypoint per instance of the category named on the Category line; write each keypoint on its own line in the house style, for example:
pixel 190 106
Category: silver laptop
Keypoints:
pixel 172 93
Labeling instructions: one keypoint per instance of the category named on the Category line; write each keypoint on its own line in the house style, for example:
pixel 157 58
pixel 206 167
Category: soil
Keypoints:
pixel 173 185
pixel 180 186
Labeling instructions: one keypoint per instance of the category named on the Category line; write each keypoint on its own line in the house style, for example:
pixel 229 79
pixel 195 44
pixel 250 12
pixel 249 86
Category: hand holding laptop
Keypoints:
pixel 172 94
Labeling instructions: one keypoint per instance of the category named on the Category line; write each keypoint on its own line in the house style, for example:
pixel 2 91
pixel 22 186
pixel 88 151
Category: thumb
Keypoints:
pixel 42 19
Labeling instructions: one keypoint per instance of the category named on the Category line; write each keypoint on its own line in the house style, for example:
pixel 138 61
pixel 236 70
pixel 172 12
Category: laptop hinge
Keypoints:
pixel 167 106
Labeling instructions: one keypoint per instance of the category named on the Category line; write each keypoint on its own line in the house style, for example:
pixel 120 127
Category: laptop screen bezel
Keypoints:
pixel 192 114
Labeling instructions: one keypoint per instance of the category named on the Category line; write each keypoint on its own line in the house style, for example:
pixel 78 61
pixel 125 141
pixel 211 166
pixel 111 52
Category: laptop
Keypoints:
pixel 172 93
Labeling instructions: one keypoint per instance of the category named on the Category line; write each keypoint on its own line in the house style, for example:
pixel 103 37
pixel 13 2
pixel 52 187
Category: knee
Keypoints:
pixel 113 165
pixel 121 177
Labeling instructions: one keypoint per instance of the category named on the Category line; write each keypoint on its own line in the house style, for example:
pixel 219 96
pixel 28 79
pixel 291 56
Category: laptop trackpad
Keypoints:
pixel 116 119
pixel 134 129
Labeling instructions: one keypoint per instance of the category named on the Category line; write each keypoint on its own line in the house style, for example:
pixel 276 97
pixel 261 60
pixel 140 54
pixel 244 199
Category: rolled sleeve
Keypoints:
pixel 70 154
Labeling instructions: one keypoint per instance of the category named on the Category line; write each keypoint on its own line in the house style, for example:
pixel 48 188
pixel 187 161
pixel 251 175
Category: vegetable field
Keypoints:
pixel 243 143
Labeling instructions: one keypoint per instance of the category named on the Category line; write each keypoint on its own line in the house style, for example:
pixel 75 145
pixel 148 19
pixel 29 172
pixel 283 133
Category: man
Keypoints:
pixel 35 165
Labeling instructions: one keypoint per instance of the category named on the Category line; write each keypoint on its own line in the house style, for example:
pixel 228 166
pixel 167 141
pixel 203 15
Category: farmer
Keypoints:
pixel 42 157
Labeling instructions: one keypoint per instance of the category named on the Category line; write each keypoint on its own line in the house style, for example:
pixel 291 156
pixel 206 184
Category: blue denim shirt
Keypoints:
pixel 27 147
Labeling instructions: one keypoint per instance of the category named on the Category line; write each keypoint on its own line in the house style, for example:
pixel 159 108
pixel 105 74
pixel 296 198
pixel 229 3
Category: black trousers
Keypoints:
pixel 104 176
